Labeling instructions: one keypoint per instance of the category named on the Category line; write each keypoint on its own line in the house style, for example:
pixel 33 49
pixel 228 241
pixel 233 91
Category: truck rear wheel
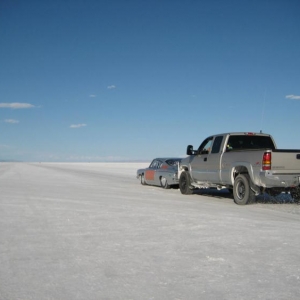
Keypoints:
pixel 184 183
pixel 242 192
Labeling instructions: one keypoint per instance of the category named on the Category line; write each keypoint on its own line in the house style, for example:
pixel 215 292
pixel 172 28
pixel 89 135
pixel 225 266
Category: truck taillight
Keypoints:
pixel 266 161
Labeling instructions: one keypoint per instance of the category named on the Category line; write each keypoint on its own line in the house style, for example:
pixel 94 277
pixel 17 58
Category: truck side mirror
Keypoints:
pixel 189 150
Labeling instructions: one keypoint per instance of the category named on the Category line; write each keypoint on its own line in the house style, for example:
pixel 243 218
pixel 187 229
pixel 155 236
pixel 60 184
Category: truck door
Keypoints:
pixel 205 166
pixel 213 161
pixel 199 162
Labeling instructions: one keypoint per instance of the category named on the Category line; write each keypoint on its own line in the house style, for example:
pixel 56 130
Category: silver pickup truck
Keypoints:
pixel 247 164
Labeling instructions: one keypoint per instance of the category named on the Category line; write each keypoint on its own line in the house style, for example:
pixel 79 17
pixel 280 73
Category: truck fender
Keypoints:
pixel 181 169
pixel 241 167
pixel 185 165
pixel 245 168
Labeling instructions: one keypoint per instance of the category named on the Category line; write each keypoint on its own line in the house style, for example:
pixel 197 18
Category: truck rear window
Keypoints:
pixel 239 142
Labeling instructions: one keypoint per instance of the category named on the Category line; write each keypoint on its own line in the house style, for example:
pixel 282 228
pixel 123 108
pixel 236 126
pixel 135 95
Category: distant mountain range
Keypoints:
pixel 9 160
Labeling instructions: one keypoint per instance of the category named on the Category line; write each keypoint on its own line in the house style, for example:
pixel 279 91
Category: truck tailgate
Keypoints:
pixel 286 161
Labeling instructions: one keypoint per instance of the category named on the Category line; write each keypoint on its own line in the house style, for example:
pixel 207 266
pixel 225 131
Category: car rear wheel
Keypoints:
pixel 142 178
pixel 184 183
pixel 164 183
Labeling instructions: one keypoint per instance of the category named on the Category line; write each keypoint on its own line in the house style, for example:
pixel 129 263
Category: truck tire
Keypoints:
pixel 242 192
pixel 184 183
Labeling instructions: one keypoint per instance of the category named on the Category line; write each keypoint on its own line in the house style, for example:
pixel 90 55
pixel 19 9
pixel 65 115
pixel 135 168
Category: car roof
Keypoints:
pixel 167 158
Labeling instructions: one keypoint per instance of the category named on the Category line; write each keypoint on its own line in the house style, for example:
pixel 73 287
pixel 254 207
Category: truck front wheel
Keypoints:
pixel 242 192
pixel 184 183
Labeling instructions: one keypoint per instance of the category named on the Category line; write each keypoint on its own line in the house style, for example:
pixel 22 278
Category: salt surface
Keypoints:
pixel 91 231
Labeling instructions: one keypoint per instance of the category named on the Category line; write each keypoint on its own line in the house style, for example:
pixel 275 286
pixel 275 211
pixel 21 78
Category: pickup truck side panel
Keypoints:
pixel 236 160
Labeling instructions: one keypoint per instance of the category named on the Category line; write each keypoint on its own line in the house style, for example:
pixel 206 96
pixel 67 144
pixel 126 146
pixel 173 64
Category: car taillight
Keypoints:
pixel 266 161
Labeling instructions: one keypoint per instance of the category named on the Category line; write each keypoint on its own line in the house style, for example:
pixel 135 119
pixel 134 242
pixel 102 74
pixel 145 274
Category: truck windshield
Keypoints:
pixel 240 142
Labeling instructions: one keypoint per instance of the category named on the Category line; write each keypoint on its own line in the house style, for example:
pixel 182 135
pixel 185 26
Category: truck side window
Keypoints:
pixel 217 144
pixel 205 147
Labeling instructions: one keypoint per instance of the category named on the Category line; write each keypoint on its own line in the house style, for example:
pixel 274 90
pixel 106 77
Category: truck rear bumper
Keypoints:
pixel 269 180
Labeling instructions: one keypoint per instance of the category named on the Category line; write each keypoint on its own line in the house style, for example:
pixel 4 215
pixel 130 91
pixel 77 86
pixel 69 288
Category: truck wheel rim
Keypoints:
pixel 240 189
pixel 183 183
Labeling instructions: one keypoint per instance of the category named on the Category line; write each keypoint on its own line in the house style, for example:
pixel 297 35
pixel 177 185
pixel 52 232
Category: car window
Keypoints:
pixel 153 164
pixel 173 162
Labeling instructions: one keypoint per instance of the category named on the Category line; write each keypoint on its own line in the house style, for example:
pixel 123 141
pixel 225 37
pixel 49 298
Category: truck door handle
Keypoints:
pixel 205 159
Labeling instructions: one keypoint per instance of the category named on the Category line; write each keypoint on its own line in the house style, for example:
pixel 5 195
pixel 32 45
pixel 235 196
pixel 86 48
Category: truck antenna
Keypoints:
pixel 263 111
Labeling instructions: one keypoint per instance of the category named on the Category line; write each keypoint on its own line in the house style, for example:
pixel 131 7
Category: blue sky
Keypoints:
pixel 133 80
